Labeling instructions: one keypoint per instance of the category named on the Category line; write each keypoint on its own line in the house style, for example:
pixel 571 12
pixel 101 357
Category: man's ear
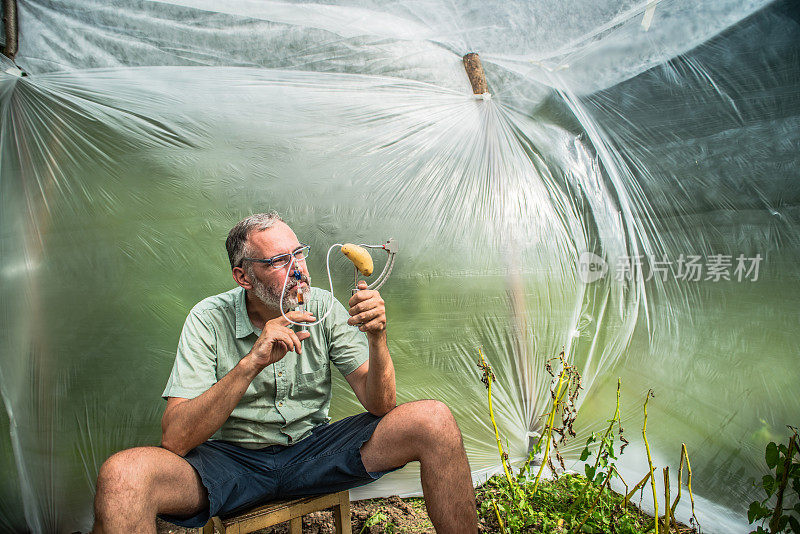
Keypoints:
pixel 241 278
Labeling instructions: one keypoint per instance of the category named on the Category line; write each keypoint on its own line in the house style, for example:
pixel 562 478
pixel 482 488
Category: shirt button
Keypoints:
pixel 280 373
pixel 280 404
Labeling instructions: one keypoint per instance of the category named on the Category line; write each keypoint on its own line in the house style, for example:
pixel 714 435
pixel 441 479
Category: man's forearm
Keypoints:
pixel 380 384
pixel 190 423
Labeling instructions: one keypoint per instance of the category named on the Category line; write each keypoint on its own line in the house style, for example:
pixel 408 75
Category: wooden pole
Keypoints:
pixel 10 24
pixel 474 68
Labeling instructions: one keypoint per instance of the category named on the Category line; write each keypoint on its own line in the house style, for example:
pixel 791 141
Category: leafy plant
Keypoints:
pixel 571 502
pixel 552 512
pixel 604 466
pixel 782 516
pixel 601 472
pixel 372 520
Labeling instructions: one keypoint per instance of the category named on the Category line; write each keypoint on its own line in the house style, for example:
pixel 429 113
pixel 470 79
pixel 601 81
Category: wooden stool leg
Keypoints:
pixel 296 525
pixel 341 514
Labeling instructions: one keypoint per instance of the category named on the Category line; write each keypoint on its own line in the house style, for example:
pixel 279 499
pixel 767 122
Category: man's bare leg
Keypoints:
pixel 426 431
pixel 136 484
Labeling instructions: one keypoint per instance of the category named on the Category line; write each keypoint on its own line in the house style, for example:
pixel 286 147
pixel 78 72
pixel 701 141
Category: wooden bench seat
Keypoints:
pixel 277 512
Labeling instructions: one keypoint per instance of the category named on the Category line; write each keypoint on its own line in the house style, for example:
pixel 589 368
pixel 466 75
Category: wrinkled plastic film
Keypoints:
pixel 119 185
pixel 367 150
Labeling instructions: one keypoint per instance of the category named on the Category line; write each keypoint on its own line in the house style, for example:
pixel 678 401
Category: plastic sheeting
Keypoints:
pixel 643 133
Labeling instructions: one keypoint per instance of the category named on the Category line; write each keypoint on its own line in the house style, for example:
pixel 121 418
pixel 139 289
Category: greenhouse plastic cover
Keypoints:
pixel 654 142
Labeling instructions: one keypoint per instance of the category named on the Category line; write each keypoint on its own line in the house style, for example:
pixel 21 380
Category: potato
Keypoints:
pixel 360 258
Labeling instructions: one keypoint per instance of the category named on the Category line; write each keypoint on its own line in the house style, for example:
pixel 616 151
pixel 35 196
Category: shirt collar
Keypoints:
pixel 244 327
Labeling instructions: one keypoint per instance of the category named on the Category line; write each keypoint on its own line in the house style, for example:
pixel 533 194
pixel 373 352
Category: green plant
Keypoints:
pixel 571 502
pixel 604 466
pixel 511 503
pixel 553 514
pixel 372 520
pixel 782 516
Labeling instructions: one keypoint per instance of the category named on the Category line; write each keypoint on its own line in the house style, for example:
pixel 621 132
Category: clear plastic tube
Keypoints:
pixel 330 282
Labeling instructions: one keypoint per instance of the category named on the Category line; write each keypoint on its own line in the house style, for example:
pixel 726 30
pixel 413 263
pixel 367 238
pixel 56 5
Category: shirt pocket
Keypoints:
pixel 314 388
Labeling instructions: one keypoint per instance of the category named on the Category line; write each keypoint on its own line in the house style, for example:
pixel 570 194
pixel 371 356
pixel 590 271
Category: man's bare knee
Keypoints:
pixel 124 476
pixel 124 467
pixel 146 481
pixel 435 425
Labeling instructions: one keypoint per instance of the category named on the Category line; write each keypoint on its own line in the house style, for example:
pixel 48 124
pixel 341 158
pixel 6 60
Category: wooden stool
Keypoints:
pixel 279 511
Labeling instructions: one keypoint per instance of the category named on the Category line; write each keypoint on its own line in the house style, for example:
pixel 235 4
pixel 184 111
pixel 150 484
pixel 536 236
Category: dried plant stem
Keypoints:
pixel 636 488
pixel 684 456
pixel 621 480
pixel 548 433
pixel 680 479
pixel 666 499
pixel 489 381
pixel 499 519
pixel 689 481
pixel 650 458
pixel 678 496
pixel 512 485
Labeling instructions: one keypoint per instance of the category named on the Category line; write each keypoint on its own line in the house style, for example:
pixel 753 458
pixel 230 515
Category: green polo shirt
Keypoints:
pixel 288 398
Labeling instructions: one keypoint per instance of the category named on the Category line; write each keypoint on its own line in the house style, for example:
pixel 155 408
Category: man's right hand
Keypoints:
pixel 277 339
pixel 189 422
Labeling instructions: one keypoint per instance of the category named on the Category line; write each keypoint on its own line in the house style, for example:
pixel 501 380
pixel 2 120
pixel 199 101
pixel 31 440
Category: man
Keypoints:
pixel 247 402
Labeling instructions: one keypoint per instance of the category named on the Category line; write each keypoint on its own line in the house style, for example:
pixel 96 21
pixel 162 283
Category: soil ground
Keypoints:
pixel 389 515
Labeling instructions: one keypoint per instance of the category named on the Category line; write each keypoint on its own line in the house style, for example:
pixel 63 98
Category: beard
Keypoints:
pixel 270 296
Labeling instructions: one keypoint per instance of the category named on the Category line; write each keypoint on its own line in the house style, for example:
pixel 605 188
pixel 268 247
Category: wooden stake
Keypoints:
pixel 10 24
pixel 474 68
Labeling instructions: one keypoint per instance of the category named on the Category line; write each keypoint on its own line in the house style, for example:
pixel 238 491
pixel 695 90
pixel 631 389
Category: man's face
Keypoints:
pixel 267 281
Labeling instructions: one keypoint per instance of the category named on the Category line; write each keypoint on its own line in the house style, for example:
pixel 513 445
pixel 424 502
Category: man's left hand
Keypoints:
pixel 367 309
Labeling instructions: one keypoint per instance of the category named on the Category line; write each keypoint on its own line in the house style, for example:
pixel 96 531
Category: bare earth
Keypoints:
pixel 393 515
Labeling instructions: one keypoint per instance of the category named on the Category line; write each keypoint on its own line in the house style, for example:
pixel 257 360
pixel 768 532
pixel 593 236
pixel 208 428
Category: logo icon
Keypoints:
pixel 591 267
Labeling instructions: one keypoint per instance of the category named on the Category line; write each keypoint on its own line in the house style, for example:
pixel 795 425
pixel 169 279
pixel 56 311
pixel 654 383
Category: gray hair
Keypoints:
pixel 237 237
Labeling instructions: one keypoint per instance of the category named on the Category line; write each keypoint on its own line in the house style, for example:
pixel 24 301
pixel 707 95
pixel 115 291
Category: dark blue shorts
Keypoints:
pixel 327 461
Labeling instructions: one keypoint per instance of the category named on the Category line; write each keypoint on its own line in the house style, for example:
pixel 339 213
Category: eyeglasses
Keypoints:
pixel 282 260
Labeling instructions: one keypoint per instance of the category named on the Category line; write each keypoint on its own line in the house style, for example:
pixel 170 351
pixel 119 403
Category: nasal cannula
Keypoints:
pixel 361 260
